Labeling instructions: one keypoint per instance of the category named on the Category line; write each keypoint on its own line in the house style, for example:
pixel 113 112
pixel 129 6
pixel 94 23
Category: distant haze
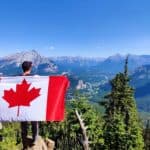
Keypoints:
pixel 46 65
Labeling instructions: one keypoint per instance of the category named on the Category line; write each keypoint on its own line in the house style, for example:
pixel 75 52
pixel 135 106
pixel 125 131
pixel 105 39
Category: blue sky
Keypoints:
pixel 96 28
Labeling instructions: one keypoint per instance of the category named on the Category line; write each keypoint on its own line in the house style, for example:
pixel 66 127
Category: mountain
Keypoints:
pixel 107 66
pixel 82 61
pixel 11 65
pixel 141 76
pixel 75 64
pixel 114 64
pixel 141 83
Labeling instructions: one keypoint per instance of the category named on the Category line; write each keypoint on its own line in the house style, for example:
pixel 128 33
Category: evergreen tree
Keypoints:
pixel 122 130
pixel 91 118
pixel 68 134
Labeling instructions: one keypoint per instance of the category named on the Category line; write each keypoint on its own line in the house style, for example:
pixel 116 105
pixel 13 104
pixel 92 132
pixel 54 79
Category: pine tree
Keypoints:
pixel 91 118
pixel 68 134
pixel 122 130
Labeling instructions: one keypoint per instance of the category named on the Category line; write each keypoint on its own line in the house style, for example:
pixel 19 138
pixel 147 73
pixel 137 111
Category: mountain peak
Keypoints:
pixel 39 62
pixel 31 55
pixel 116 57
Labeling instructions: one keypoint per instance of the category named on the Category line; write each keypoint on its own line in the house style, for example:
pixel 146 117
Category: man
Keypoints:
pixel 27 67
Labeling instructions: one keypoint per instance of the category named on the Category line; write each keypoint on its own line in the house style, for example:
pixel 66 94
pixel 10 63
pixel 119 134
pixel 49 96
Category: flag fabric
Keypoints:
pixel 33 98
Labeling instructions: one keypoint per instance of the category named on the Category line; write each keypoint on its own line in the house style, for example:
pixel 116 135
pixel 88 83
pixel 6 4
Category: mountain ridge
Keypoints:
pixel 10 64
pixel 44 65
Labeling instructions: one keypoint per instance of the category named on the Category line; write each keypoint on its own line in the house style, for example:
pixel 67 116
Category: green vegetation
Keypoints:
pixel 68 133
pixel 122 130
pixel 9 136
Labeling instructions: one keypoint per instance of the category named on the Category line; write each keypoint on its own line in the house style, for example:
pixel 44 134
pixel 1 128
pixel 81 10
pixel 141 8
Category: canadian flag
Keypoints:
pixel 33 98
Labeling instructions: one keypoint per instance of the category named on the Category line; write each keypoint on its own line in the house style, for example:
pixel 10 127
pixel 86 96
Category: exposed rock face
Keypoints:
pixel 80 85
pixel 11 65
pixel 1 126
pixel 50 144
pixel 40 144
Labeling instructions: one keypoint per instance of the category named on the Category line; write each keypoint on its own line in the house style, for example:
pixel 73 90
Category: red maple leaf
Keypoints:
pixel 22 96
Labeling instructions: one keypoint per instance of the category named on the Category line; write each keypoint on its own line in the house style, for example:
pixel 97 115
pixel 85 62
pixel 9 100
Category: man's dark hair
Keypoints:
pixel 26 65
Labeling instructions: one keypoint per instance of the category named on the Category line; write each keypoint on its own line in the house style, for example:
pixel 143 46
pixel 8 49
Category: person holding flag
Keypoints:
pixel 31 98
pixel 27 67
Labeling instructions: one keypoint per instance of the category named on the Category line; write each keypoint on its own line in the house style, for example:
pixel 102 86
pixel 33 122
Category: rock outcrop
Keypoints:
pixel 40 144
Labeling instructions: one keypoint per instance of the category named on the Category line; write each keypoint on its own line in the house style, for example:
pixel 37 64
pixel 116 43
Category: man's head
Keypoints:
pixel 27 66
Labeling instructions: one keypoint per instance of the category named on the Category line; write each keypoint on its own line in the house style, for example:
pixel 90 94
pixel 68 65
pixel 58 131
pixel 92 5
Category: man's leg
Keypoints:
pixel 35 130
pixel 24 128
pixel 1 127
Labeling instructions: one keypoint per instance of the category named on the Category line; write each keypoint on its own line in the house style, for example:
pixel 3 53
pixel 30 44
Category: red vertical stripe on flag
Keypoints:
pixel 56 96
